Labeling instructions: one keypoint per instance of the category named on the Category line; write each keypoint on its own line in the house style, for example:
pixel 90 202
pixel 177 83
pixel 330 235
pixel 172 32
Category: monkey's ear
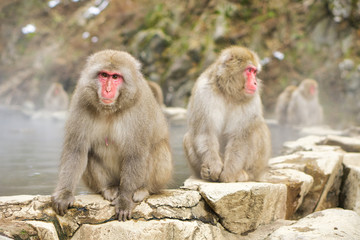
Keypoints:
pixel 225 56
pixel 137 64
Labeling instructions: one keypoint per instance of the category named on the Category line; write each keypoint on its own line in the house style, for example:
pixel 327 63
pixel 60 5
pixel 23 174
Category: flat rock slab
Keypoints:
pixel 152 230
pixel 243 206
pixel 326 224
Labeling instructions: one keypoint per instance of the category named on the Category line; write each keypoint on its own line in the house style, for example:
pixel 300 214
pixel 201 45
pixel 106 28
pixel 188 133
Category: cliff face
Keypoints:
pixel 48 41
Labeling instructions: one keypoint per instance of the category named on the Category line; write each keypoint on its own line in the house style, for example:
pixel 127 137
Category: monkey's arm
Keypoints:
pixel 72 166
pixel 134 174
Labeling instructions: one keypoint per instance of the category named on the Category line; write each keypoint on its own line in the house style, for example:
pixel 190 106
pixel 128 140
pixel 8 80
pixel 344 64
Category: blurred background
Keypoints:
pixel 43 42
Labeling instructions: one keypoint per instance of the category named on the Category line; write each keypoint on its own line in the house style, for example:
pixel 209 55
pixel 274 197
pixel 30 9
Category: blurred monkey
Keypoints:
pixel 56 99
pixel 302 107
pixel 116 137
pixel 282 104
pixel 228 140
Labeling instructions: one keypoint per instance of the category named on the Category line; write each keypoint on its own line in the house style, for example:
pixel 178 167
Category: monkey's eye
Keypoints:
pixel 104 75
pixel 115 76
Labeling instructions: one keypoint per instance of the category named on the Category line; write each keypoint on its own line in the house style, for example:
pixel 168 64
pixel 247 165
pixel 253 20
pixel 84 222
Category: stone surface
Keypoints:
pixel 302 144
pixel 243 206
pixel 326 224
pixel 298 185
pixel 326 169
pixel 350 195
pixel 153 230
pixel 347 143
pixel 175 204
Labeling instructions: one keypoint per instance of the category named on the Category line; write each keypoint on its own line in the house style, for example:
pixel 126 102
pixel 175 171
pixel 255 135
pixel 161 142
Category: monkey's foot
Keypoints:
pixel 61 201
pixel 211 171
pixel 110 193
pixel 230 176
pixel 123 208
pixel 140 194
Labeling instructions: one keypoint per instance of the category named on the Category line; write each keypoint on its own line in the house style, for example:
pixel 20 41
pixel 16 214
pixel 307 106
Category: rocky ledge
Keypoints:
pixel 312 192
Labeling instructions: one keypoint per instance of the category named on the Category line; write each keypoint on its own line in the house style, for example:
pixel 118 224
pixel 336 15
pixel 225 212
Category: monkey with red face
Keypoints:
pixel 299 106
pixel 116 137
pixel 228 140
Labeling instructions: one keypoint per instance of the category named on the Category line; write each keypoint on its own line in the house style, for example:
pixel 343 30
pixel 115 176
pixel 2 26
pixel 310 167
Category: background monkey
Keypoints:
pixel 301 107
pixel 116 136
pixel 56 99
pixel 282 104
pixel 228 140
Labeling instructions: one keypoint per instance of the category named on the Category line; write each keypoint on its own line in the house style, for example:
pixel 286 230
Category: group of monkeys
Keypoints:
pixel 116 136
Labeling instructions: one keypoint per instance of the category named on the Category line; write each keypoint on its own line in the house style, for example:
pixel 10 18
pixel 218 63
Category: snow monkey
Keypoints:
pixel 301 105
pixel 116 137
pixel 56 99
pixel 228 140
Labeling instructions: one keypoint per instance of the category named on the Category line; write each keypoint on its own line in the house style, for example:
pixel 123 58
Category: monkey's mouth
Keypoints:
pixel 250 91
pixel 107 100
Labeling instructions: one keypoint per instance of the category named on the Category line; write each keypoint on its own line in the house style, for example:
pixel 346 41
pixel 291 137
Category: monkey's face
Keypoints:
pixel 251 81
pixel 110 80
pixel 109 85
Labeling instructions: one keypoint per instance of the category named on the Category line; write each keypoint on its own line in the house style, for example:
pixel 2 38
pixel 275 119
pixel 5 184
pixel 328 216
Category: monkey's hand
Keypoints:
pixel 210 170
pixel 61 201
pixel 123 207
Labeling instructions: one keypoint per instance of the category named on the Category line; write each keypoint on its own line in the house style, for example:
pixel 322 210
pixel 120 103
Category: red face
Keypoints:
pixel 312 90
pixel 110 82
pixel 251 81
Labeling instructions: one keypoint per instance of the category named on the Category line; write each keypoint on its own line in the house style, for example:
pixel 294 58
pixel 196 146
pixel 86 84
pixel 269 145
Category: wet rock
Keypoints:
pixel 326 224
pixel 242 207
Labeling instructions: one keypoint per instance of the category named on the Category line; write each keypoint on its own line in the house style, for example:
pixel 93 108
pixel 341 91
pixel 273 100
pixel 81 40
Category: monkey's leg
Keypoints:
pixel 140 194
pixel 191 156
pixel 207 148
pixel 235 158
pixel 98 180
pixel 161 166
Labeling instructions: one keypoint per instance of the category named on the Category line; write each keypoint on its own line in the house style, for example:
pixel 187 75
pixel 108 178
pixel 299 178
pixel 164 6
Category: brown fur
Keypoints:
pixel 121 150
pixel 228 140
pixel 157 92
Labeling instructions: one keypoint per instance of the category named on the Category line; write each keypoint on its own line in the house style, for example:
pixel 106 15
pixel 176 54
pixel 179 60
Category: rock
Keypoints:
pixel 319 131
pixel 302 144
pixel 154 229
pixel 350 193
pixel 298 185
pixel 242 207
pixel 326 169
pixel 175 204
pixel 346 143
pixel 351 159
pixel 326 224
pixel 45 230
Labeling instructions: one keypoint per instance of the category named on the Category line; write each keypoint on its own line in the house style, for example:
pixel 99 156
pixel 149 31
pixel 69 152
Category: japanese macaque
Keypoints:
pixel 282 104
pixel 302 107
pixel 228 140
pixel 116 137
pixel 157 92
pixel 56 99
